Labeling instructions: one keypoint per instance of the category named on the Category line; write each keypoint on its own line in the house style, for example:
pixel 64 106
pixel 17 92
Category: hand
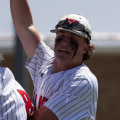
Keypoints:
pixel 30 117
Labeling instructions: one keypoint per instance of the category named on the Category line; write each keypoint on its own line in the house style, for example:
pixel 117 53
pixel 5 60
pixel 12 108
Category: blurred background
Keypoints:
pixel 105 63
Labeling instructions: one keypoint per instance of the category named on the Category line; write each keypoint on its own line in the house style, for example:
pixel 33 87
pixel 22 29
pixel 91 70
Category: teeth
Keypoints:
pixel 63 51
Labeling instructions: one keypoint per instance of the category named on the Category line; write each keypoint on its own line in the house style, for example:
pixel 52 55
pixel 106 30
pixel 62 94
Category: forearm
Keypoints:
pixel 23 22
pixel 43 114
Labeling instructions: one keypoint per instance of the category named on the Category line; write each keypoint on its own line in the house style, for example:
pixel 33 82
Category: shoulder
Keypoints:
pixel 86 73
pixel 43 47
pixel 6 75
pixel 5 70
pixel 87 79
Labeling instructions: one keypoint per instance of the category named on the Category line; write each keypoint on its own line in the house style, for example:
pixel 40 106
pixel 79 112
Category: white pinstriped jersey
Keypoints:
pixel 15 104
pixel 71 94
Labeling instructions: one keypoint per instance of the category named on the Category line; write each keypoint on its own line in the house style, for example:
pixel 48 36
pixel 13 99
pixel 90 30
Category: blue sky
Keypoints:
pixel 103 14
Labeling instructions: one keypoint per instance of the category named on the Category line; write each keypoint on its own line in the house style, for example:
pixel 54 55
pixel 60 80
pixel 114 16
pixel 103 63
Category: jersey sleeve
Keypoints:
pixel 74 101
pixel 41 57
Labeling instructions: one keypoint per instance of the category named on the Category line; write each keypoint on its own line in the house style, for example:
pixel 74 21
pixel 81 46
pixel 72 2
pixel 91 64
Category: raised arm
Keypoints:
pixel 30 39
pixel 24 27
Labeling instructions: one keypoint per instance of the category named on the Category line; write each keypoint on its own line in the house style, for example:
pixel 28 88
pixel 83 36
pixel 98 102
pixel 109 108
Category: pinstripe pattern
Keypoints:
pixel 71 94
pixel 12 106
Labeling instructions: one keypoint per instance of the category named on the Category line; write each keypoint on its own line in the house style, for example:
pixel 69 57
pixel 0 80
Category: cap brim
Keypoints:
pixel 80 33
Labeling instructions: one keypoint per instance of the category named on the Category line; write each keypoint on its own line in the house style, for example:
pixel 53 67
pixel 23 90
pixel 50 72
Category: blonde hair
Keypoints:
pixel 90 51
